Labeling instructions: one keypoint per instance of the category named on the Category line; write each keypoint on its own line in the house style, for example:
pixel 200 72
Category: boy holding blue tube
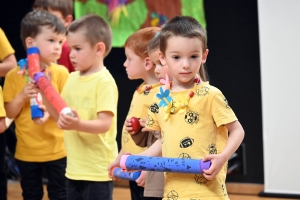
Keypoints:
pixel 40 142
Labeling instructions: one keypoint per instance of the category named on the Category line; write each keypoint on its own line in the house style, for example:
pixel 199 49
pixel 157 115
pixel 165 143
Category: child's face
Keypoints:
pixel 60 16
pixel 49 44
pixel 134 65
pixel 160 70
pixel 184 57
pixel 82 53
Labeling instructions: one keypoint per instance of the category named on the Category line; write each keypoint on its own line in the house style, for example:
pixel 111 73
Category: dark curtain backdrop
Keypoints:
pixel 233 66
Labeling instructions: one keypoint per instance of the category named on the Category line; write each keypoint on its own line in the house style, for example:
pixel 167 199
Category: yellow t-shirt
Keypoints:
pixel 193 134
pixel 36 143
pixel 2 110
pixel 90 154
pixel 139 106
pixel 5 47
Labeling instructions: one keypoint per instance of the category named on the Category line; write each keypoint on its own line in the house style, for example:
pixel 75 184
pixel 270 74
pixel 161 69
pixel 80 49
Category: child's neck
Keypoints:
pixel 96 67
pixel 178 86
pixel 43 66
pixel 150 80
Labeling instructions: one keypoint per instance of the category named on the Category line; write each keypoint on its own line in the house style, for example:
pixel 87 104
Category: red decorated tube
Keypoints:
pixel 33 59
pixel 51 94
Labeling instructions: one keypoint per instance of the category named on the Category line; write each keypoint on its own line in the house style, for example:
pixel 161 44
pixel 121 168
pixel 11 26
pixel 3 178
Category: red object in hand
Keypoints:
pixel 135 125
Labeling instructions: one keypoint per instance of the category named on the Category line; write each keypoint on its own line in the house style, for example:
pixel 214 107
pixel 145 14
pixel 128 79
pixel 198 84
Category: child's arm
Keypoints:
pixel 7 64
pixel 14 107
pixel 2 124
pixel 140 138
pixel 218 160
pixel 100 125
pixel 154 150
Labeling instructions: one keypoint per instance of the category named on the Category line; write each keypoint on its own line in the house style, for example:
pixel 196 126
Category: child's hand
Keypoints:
pixel 29 91
pixel 128 126
pixel 42 120
pixel 110 167
pixel 141 179
pixel 68 123
pixel 217 162
pixel 143 122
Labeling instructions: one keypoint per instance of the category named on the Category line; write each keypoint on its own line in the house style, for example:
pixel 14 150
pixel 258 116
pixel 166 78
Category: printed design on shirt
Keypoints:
pixel 203 91
pixel 146 92
pixel 125 137
pixel 185 156
pixel 172 195
pixel 191 117
pixel 150 121
pixel 212 149
pixel 154 108
pixel 226 103
pixel 224 189
pixel 200 179
pixel 186 142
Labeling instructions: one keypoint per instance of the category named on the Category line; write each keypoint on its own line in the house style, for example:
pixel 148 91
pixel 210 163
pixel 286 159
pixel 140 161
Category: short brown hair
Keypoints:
pixel 154 43
pixel 64 6
pixel 184 26
pixel 33 22
pixel 138 41
pixel 96 30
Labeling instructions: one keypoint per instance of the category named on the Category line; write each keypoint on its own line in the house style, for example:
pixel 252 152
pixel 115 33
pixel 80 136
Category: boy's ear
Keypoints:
pixel 68 19
pixel 148 64
pixel 162 58
pixel 29 42
pixel 204 57
pixel 100 48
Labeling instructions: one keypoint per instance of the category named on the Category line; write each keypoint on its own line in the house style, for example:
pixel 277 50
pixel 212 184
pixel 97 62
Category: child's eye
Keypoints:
pixel 77 49
pixel 60 42
pixel 194 56
pixel 51 40
pixel 176 57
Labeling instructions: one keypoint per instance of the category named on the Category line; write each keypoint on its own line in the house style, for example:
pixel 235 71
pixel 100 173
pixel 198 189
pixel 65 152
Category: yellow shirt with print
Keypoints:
pixel 36 143
pixel 2 110
pixel 90 154
pixel 193 134
pixel 139 106
pixel 5 47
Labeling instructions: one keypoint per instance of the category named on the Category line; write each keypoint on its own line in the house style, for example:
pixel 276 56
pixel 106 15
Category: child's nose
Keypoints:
pixel 186 64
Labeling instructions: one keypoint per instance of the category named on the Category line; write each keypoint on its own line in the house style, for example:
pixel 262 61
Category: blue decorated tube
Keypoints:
pixel 131 176
pixel 163 164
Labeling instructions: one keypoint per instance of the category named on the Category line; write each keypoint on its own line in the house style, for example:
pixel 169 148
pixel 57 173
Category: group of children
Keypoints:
pixel 181 114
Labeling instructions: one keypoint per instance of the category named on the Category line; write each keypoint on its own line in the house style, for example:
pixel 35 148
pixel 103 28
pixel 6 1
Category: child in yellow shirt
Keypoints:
pixel 39 142
pixel 194 116
pixel 138 65
pixel 90 135
pixel 7 62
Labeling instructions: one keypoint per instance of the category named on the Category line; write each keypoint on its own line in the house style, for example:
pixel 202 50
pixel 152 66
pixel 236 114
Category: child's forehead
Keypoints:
pixel 49 30
pixel 78 34
pixel 176 42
